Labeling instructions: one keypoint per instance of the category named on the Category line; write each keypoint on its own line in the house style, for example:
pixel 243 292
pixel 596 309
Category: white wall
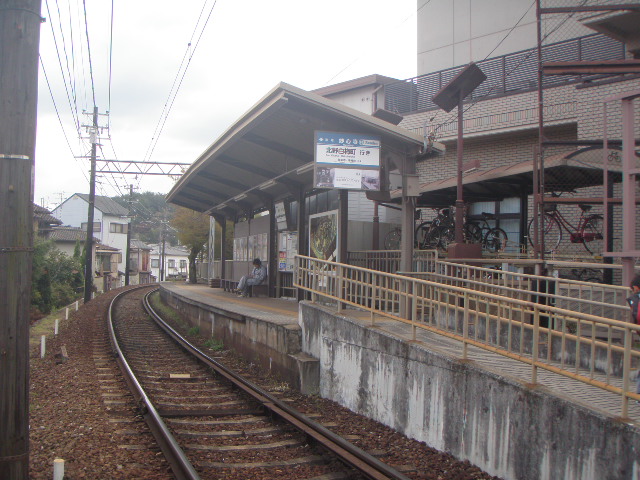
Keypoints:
pixel 455 32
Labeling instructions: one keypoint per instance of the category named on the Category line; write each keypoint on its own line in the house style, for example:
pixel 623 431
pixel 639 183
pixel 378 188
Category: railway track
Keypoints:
pixel 211 423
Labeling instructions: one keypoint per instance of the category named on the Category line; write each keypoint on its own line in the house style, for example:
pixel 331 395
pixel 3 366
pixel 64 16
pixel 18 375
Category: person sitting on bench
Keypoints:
pixel 256 277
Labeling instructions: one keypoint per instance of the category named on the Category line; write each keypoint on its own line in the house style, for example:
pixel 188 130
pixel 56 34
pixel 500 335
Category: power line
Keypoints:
pixel 62 70
pixel 110 61
pixel 86 26
pixel 360 56
pixel 162 121
pixel 524 58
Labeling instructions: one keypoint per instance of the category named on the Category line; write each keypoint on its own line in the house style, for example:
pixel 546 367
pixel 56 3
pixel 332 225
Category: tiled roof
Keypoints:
pixel 105 205
pixel 169 250
pixel 68 234
pixel 43 215
pixel 135 243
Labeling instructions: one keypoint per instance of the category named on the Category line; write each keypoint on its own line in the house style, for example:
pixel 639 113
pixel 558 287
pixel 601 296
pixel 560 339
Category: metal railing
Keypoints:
pixel 517 328
pixel 389 260
pixel 512 73
pixel 597 299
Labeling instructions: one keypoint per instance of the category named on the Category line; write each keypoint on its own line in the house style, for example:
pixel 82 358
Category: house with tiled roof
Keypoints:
pixel 110 222
pixel 43 221
pixel 139 262
pixel 105 258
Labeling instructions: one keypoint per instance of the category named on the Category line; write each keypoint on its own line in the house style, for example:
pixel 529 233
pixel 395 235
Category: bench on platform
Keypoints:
pixel 258 290
pixel 254 290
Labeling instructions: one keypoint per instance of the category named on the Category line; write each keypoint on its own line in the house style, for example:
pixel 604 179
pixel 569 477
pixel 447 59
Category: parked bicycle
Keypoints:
pixel 588 231
pixel 492 239
pixel 394 236
pixel 436 233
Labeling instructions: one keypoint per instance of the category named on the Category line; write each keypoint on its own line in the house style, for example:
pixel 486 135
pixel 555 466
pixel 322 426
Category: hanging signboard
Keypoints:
pixel 347 160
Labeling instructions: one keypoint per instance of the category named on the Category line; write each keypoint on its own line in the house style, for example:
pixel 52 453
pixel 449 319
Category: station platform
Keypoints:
pixel 440 399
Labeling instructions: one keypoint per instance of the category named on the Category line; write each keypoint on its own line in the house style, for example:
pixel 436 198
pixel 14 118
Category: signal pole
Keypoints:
pixel 19 41
pixel 88 266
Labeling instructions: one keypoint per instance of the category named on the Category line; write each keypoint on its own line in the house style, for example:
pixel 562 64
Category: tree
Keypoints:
pixel 55 276
pixel 193 233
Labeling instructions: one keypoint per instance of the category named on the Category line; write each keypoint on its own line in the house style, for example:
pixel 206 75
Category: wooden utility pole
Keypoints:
pixel 19 40
pixel 88 265
pixel 127 261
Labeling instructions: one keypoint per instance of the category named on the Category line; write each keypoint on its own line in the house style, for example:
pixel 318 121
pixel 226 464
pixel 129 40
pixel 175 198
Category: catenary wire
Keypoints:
pixel 183 73
pixel 62 70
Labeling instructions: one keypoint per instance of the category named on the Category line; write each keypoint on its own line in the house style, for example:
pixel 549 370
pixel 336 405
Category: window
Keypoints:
pixel 172 263
pixel 118 227
pixel 155 263
pixel 183 264
pixel 97 226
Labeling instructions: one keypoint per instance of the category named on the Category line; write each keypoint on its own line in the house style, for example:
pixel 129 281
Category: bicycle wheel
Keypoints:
pixel 446 236
pixel 421 235
pixel 472 232
pixel 495 240
pixel 551 230
pixel 591 234
pixel 392 239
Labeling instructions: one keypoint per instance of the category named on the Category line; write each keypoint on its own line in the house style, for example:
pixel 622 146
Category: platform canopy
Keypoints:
pixel 268 153
pixel 563 172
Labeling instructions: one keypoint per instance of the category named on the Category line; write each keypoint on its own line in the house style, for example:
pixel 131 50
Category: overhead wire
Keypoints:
pixel 170 100
pixel 55 106
pixel 110 66
pixel 65 78
pixel 454 116
pixel 360 56
pixel 86 26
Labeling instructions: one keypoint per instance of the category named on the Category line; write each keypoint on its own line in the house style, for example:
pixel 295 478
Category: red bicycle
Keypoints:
pixel 588 232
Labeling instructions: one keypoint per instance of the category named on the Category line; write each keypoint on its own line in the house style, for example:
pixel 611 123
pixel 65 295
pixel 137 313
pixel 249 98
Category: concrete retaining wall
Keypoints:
pixel 495 422
pixel 274 347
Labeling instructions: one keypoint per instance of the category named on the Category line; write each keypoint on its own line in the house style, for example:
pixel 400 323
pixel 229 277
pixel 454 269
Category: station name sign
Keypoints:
pixel 347 160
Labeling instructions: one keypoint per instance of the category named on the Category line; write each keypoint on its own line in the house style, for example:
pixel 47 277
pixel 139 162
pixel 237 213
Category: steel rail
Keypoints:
pixel 348 453
pixel 175 456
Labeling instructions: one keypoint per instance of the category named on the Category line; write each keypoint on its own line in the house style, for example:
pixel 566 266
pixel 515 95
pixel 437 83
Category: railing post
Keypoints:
pixel 340 288
pixel 536 343
pixel 465 326
pixel 414 309
pixel 626 371
pixel 314 283
pixel 374 296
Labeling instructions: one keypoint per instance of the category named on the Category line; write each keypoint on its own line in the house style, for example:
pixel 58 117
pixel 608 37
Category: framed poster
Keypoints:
pixel 323 235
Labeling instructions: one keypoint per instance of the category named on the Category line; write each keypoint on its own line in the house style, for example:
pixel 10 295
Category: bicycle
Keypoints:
pixel 492 239
pixel 436 233
pixel 588 232
pixel 394 236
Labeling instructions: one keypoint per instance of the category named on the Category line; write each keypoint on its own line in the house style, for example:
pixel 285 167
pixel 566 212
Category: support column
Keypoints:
pixel 628 193
pixel 302 233
pixel 272 261
pixel 343 227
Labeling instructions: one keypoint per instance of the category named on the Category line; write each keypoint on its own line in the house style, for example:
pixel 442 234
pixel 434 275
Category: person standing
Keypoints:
pixel 256 277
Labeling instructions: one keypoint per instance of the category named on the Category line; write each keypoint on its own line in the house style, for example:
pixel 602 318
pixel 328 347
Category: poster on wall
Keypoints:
pixel 323 235
pixel 347 160
pixel 287 250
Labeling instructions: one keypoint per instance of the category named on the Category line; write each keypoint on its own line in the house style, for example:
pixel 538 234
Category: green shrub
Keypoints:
pixel 194 330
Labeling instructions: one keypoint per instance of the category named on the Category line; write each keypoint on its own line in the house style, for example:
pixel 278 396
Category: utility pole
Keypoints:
pixel 19 41
pixel 128 259
pixel 88 266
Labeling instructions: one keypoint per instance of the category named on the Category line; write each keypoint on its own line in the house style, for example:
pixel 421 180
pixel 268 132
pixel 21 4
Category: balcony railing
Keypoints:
pixel 508 74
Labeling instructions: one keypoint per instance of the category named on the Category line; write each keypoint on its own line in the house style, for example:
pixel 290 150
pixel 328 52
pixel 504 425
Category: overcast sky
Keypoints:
pixel 246 48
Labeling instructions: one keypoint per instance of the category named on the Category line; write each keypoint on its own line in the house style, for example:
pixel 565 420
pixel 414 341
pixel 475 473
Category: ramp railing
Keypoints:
pixel 589 348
